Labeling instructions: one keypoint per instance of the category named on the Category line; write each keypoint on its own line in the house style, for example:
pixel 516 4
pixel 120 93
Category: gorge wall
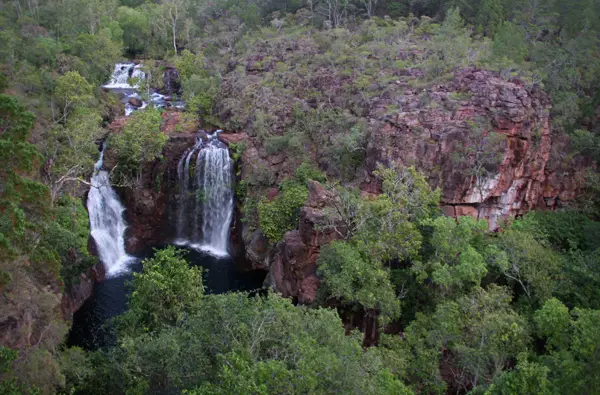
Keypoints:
pixel 421 127
pixel 147 203
pixel 521 176
pixel 427 130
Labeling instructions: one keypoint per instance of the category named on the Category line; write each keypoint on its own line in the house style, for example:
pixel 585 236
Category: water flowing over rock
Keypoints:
pixel 205 203
pixel 106 221
pixel 122 73
pixel 130 94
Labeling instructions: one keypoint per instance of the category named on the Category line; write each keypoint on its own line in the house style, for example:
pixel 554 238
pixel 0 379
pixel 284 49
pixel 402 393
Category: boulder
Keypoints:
pixel 135 102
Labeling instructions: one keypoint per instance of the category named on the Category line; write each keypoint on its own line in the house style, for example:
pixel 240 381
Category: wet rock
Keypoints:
pixel 171 80
pixel 135 102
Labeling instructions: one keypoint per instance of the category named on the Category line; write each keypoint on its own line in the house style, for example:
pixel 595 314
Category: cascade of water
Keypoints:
pixel 183 175
pixel 205 204
pixel 121 75
pixel 106 221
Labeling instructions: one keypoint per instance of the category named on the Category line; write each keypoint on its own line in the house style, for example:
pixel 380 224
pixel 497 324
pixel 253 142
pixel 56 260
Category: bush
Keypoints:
pixel 140 141
pixel 282 213
pixel 306 172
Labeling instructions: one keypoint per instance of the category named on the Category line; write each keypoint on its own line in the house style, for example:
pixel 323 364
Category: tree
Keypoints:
pixel 140 141
pixel 370 6
pixel 356 279
pixel 72 91
pixel 174 11
pixel 389 230
pixel 164 292
pixel 334 11
pixel 573 344
pixel 70 151
pixel 136 29
pixel 481 333
pixel 409 191
pixel 21 198
pixel 529 265
pixel 528 378
pixel 236 343
pixel 345 213
pixel 457 260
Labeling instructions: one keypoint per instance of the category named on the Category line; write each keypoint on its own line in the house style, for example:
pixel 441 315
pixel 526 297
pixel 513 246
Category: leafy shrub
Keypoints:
pixel 306 172
pixel 140 141
pixel 282 213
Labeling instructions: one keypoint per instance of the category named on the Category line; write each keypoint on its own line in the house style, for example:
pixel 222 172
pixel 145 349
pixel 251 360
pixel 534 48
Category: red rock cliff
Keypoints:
pixel 433 125
pixel 427 129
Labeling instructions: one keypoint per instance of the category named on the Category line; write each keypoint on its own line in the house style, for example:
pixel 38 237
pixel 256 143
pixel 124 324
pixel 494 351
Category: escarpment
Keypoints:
pixel 433 129
pixel 479 175
pixel 483 140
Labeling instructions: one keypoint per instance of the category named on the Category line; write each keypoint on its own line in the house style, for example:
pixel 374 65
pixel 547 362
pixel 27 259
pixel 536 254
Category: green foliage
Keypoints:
pixel 236 150
pixel 509 47
pixel 395 247
pixel 356 279
pixel 200 86
pixel 528 378
pixel 458 255
pixel 529 266
pixel 165 292
pixel 22 200
pixel 72 90
pixel 452 47
pixel 573 342
pixel 306 172
pixel 140 141
pixel 68 236
pixel 234 343
pixel 96 55
pixel 136 29
pixel 480 330
pixel 282 213
pixel 409 190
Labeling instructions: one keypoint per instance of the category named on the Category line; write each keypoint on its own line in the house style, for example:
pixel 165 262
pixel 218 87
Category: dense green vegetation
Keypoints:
pixel 459 309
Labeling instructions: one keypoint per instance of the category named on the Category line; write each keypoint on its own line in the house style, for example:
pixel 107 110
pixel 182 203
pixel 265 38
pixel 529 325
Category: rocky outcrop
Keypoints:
pixel 293 271
pixel 75 297
pixel 435 130
pixel 443 130
pixel 171 80
pixel 147 202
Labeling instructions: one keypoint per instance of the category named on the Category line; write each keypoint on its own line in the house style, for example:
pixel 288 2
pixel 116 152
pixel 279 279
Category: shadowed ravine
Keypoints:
pixel 204 213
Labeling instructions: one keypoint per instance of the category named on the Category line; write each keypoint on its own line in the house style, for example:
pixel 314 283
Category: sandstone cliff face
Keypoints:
pixel 430 138
pixel 426 128
pixel 421 127
pixel 79 293
pixel 293 270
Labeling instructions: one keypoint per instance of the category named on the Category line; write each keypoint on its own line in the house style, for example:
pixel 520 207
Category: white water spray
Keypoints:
pixel 106 222
pixel 122 73
pixel 205 204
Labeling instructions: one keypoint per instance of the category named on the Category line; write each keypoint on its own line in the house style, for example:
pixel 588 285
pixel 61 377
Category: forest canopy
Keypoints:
pixel 458 308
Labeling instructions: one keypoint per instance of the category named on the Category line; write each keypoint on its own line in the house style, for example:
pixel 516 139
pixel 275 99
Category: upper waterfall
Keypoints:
pixel 205 203
pixel 106 221
pixel 122 73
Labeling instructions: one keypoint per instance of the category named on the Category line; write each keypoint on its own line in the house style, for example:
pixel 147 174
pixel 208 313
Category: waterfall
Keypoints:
pixel 121 75
pixel 106 221
pixel 205 203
